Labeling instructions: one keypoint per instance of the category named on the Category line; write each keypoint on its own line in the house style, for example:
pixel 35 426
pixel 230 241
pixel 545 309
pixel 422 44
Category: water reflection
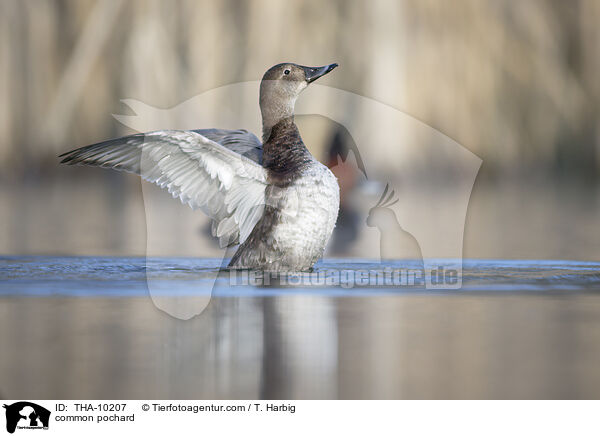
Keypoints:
pixel 304 346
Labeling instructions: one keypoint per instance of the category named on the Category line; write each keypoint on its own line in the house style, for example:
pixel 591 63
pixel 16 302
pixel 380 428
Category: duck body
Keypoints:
pixel 302 203
pixel 273 198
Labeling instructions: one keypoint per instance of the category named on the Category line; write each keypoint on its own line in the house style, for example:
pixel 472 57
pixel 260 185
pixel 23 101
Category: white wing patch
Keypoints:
pixel 225 185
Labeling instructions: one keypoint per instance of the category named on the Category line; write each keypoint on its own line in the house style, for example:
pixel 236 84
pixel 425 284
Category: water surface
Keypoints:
pixel 127 276
pixel 85 327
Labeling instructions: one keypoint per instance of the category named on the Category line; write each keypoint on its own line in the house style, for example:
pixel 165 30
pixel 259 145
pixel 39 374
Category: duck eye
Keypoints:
pixel 286 72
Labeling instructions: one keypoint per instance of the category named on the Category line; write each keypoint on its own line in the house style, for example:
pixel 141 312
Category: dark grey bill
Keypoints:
pixel 313 73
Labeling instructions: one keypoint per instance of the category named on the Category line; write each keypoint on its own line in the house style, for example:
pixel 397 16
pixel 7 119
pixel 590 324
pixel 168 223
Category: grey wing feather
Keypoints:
pixel 225 185
pixel 241 141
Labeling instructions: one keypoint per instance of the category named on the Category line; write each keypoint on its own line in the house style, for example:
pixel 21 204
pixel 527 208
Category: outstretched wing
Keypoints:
pixel 241 141
pixel 227 186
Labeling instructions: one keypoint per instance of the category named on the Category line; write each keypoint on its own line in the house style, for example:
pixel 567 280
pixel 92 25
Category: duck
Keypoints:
pixel 271 198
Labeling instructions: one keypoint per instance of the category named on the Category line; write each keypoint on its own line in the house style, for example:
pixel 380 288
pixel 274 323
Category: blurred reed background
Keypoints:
pixel 514 82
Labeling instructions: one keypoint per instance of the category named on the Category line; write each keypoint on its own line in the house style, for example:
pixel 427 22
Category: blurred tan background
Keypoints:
pixel 514 82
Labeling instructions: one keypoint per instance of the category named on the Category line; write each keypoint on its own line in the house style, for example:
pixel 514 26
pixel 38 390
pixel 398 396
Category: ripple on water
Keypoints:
pixel 128 276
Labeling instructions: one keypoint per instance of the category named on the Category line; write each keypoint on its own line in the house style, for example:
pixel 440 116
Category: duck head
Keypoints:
pixel 280 87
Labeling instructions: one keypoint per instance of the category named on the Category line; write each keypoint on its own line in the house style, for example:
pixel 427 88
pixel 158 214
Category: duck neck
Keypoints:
pixel 274 113
pixel 284 153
